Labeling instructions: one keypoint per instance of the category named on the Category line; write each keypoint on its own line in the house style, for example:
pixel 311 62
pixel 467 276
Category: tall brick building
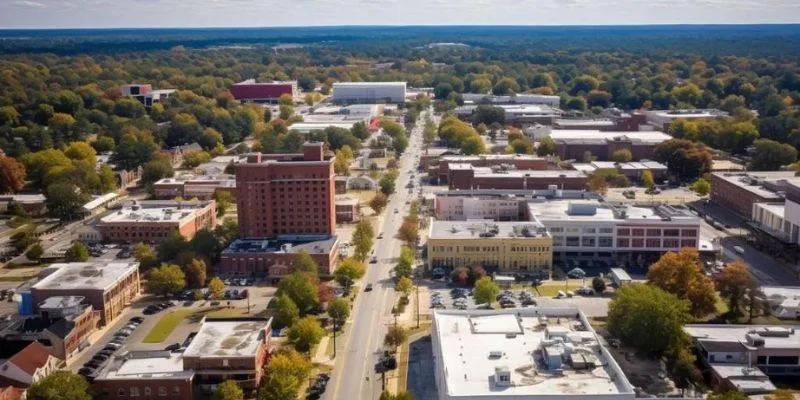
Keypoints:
pixel 286 194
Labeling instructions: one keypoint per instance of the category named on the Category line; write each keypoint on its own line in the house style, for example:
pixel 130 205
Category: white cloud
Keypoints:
pixel 28 3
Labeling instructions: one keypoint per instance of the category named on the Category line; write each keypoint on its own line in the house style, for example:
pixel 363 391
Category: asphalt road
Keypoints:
pixel 354 374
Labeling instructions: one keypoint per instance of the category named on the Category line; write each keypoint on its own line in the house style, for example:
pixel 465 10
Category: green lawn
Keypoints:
pixel 164 327
pixel 17 278
pixel 549 289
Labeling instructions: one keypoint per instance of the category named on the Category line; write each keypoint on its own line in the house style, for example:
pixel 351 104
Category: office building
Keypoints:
pixel 263 92
pixel 369 92
pixel 286 194
pixel 230 349
pixel 146 375
pixel 738 191
pixel 467 176
pixel 190 186
pixel 440 172
pixel 271 258
pixel 517 98
pixel 505 247
pixel 662 119
pixel 573 144
pixel 517 113
pixel 633 170
pixel 145 94
pixel 155 220
pixel 108 287
pixel 523 354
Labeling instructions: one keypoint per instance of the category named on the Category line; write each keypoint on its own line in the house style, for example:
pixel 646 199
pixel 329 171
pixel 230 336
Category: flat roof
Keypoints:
pixel 755 181
pixel 482 229
pixel 591 210
pixel 313 244
pixel 190 178
pixel 312 126
pixel 100 275
pixel 148 365
pixel 478 157
pixel 596 136
pixel 23 198
pixel 688 113
pixel 59 302
pixel 583 122
pixel 519 194
pixel 774 336
pixel 228 337
pixel 155 211
pixel 778 209
pixel 395 83
pixel 473 345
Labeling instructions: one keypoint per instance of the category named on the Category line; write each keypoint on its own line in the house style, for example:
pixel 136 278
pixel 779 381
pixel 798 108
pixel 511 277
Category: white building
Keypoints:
pixel 523 354
pixel 369 92
pixel 661 119
pixel 784 301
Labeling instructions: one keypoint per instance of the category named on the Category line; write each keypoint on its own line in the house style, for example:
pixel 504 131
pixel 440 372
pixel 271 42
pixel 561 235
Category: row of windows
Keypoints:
pixel 657 243
pixel 560 229
pixel 585 241
pixel 146 391
pixel 652 232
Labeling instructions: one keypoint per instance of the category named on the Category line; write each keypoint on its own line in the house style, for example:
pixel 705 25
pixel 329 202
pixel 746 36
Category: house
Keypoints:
pixel 362 182
pixel 31 364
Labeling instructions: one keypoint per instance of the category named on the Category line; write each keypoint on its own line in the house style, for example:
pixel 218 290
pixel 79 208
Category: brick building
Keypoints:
pixel 738 191
pixel 263 92
pixel 515 161
pixel 155 220
pixel 108 287
pixel 271 258
pixel 230 348
pixel 347 209
pixel 191 186
pixel 573 144
pixel 466 176
pixel 145 375
pixel 286 194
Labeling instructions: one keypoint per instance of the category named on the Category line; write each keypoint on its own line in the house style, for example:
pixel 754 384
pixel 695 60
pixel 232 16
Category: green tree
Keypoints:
pixel 229 390
pixel 546 147
pixel 682 368
pixel 284 375
pixel 287 312
pixel 599 285
pixel 473 145
pixel 387 185
pixel 770 155
pixel 305 333
pixel 622 156
pixel 686 160
pixel 395 336
pixel 405 263
pixel 60 385
pixel 77 253
pixel 702 187
pixel 733 283
pixel 505 86
pixel 648 319
pixel 339 311
pixel 144 254
pixel 349 270
pixel 196 273
pixel 65 200
pixel 647 179
pixel 224 200
pixel 156 169
pixel 217 288
pixel 166 280
pixel 379 202
pixel 302 289
pixel 34 252
pixel 728 395
pixel 302 262
pixel 404 285
pixel 521 146
pixel 172 246
pixel 680 273
pixel 485 290
pixel 486 114
pixel 363 239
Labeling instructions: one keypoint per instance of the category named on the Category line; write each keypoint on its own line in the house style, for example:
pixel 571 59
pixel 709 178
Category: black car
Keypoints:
pixel 100 357
pixel 173 347
pixel 85 371
pixel 368 288
pixel 151 310
pixel 92 364
pixel 106 353
pixel 138 320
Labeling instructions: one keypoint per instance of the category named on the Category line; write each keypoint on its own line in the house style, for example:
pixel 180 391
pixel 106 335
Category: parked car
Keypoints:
pixel 576 273
pixel 585 291
pixel 138 320
pixel 368 288
pixel 85 371
pixel 373 260
pixel 173 347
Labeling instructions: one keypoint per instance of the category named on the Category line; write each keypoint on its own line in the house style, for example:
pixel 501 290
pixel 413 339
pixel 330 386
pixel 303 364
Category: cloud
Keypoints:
pixel 28 4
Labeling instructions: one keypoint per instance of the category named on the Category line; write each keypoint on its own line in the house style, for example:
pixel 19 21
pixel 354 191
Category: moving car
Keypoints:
pixel 738 249
pixel 368 288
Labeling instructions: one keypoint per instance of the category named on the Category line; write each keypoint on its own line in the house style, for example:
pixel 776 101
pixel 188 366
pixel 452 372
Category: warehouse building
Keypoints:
pixel 369 92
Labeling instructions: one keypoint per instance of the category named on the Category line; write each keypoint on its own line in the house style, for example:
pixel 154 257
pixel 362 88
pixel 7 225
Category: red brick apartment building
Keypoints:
pixel 155 220
pixel 286 194
pixel 465 176
pixel 145 375
pixel 271 258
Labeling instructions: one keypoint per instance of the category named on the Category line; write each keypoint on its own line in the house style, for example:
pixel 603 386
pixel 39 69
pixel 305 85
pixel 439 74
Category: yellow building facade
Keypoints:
pixel 529 255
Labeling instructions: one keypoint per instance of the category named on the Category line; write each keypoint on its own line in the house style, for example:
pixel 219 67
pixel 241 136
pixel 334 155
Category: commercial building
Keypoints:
pixel 738 191
pixel 308 127
pixel 523 354
pixel 145 94
pixel 633 170
pixel 662 119
pixel 497 205
pixel 506 247
pixel 440 172
pixel 286 194
pixel 573 144
pixel 517 98
pixel 155 220
pixel 108 287
pixel 369 92
pixel 229 349
pixel 517 113
pixel 263 92
pixel 620 122
pixel 190 186
pixel 33 204
pixel 146 375
pixel 753 350
pixel 467 176
pixel 271 258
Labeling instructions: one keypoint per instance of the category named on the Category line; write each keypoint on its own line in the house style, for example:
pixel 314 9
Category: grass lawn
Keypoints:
pixel 549 289
pixel 17 278
pixel 164 327
pixel 228 313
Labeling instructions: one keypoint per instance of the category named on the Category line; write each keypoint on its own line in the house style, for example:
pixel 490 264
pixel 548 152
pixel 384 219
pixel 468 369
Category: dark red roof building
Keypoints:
pixel 263 92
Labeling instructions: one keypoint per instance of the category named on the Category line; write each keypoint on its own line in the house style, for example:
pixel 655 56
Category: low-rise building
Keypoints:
pixel 369 92
pixel 632 170
pixel 155 220
pixel 29 365
pixel 229 349
pixel 517 98
pixel 362 182
pixel 33 204
pixel 467 176
pixel 510 161
pixel 145 94
pixel 784 301
pixel 505 247
pixel 517 113
pixel 662 119
pixel 573 144
pixel 271 258
pixel 523 354
pixel 738 191
pixel 108 287
pixel 146 375
pixel 347 210
pixel 190 186
pixel 263 92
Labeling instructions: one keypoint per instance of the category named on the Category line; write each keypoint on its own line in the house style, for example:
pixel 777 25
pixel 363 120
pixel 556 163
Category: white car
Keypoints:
pixel 738 249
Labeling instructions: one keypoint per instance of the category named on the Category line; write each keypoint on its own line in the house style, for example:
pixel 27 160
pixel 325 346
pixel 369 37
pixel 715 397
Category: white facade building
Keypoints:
pixel 369 92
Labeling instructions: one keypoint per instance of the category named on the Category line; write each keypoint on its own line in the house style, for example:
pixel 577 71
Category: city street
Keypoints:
pixel 354 374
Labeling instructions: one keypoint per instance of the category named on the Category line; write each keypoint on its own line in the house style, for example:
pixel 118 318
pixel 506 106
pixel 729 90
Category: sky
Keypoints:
pixel 266 13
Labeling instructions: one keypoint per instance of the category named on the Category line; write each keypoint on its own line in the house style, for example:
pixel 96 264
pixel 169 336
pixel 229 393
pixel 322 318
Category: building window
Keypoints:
pixel 637 243
pixel 622 243
pixel 573 241
pixel 653 242
pixel 589 230
pixel 134 391
pixel 671 232
pixel 606 230
pixel 638 232
pixel 624 232
pixel 761 360
pixel 783 360
pixel 176 390
pixel 671 243
pixel 122 392
pixel 654 232
pixel 147 391
pixel 606 241
pixel 689 233
pixel 588 241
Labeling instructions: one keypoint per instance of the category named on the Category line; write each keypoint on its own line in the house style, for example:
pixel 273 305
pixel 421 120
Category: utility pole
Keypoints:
pixel 334 338
pixel 417 287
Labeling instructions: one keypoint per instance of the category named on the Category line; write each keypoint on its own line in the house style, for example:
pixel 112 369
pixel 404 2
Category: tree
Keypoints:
pixel 195 158
pixel 34 252
pixel 144 254
pixel 405 264
pixel 362 239
pixel 166 280
pixel 521 146
pixel 781 394
pixel 65 200
pixel 409 231
pixel 546 147
pixel 339 310
pixel 682 368
pixel 302 289
pixel 157 169
pixel 395 336
pixel 460 275
pixel 505 86
pixel 770 155
pixel 486 114
pixel 77 253
pixel 473 145
pixel 647 179
pixel 686 160
pixel 680 273
pixel 216 288
pixel 196 273
pixel 622 156
pixel 401 395
pixel 349 270
pixel 648 319
pixel 387 185
pixel 224 200
pixel 379 202
pixel 12 175
pixel 733 282
pixel 60 385
pixel 172 246
pixel 728 395
pixel 287 312
pixel 229 390
pixel 485 290
pixel 302 262
pixel 284 375
pixel 702 187
pixel 597 183
pixel 305 333
pixel 599 285
pixel 404 285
